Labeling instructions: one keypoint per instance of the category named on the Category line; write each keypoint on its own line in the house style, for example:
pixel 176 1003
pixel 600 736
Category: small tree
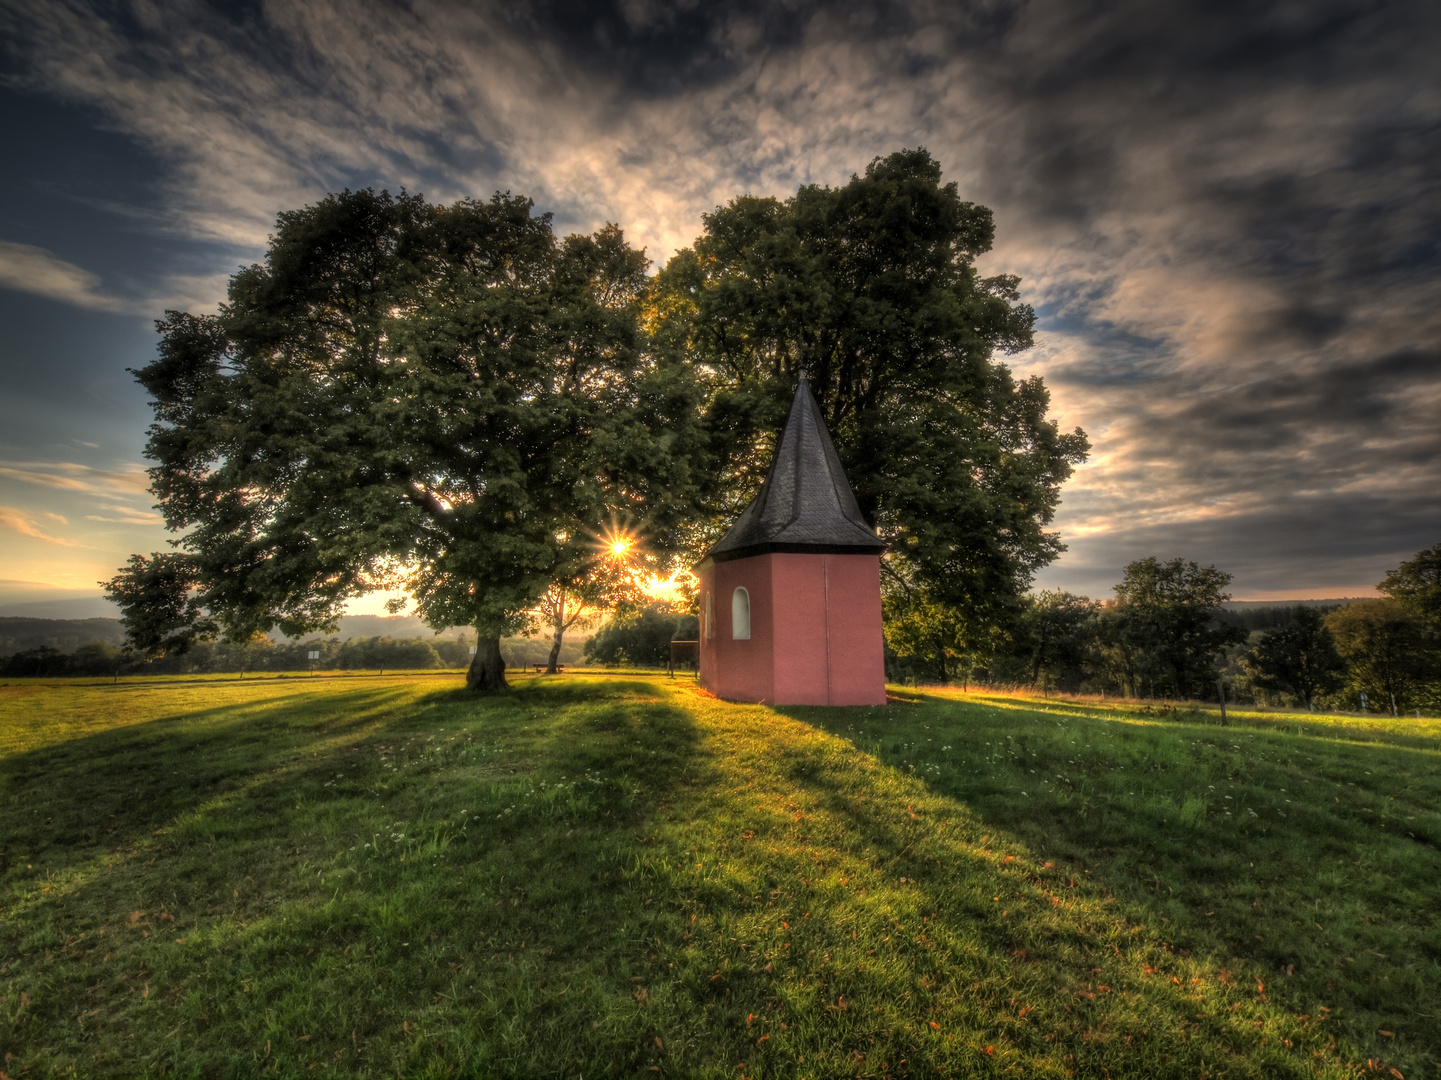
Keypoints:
pixel 1054 631
pixel 1165 617
pixel 1300 658
pixel 610 579
pixel 640 636
pixel 939 635
pixel 1385 648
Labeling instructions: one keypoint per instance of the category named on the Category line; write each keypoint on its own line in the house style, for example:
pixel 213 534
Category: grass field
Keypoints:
pixel 622 876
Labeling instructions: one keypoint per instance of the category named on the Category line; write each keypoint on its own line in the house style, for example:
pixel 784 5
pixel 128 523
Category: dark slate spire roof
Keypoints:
pixel 806 503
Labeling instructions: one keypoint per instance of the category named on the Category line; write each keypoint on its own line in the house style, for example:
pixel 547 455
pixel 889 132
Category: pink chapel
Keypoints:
pixel 791 596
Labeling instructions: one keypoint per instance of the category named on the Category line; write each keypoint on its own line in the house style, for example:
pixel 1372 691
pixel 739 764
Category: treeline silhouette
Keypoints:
pixel 214 657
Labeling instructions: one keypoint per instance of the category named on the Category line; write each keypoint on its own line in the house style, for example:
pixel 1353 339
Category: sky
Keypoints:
pixel 1227 217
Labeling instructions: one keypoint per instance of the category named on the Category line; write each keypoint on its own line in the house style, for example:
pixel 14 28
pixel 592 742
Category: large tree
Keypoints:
pixel 1164 618
pixel 871 291
pixel 443 398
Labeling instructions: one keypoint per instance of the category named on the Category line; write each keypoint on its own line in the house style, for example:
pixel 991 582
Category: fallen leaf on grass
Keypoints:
pixel 762 1039
pixel 658 1043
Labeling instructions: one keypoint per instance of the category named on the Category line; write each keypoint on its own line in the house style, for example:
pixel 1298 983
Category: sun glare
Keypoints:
pixel 666 590
pixel 625 549
pixel 617 543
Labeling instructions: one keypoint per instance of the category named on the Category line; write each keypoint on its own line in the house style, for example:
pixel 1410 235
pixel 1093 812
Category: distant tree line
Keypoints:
pixel 1165 634
pixel 19 633
pixel 262 654
pixel 640 637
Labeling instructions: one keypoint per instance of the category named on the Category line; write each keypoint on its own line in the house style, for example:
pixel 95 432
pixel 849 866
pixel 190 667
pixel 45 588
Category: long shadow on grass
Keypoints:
pixel 1318 725
pixel 1319 889
pixel 108 790
pixel 354 865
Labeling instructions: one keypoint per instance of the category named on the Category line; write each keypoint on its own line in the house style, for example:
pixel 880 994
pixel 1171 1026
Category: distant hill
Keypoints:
pixel 72 608
pixel 18 634
pixel 395 626
pixel 1251 605
pixel 406 626
pixel 1252 615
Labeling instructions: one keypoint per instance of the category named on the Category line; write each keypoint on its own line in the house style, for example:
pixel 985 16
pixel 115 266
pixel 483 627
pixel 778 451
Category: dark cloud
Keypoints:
pixel 1226 215
pixel 1325 546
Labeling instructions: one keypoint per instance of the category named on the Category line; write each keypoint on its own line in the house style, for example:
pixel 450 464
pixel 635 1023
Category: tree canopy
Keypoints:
pixel 871 291
pixel 444 397
pixel 452 400
pixel 1416 583
pixel 1300 658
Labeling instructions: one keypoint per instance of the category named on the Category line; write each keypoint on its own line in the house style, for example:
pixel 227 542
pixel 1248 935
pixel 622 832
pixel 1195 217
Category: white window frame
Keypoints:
pixel 741 614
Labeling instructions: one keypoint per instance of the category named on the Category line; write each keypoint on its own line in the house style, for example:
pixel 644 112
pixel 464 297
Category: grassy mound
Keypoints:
pixel 616 876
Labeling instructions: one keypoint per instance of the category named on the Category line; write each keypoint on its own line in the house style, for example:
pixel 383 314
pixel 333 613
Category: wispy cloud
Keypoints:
pixel 71 476
pixel 20 522
pixel 34 270
pixel 127 516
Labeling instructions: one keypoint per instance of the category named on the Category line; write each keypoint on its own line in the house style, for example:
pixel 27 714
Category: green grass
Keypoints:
pixel 609 876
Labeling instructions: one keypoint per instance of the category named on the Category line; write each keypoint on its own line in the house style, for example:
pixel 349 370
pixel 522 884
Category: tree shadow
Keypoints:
pixel 105 791
pixel 1160 878
pixel 410 828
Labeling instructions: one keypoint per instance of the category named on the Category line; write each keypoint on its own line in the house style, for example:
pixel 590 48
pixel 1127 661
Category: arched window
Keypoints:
pixel 709 618
pixel 741 615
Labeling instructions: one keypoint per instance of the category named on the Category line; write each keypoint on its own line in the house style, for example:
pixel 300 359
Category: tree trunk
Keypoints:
pixel 555 643
pixel 487 666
